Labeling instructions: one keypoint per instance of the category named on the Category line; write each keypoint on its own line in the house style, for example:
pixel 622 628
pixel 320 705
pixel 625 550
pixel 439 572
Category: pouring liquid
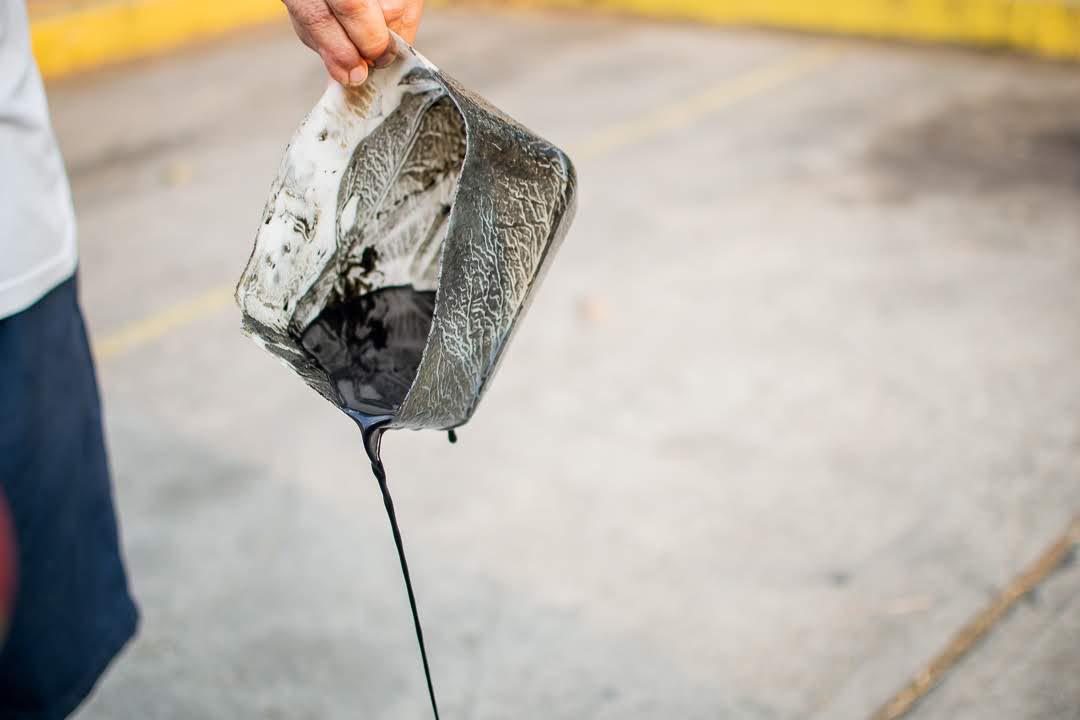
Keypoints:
pixel 371 347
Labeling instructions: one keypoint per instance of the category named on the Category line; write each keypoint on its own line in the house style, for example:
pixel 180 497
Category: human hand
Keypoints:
pixel 351 35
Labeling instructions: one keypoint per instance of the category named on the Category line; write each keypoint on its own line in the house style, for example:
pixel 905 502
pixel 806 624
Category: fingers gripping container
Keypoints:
pixel 409 179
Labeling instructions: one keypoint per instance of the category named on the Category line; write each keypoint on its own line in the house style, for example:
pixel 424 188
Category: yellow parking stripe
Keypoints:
pixel 157 325
pixel 690 110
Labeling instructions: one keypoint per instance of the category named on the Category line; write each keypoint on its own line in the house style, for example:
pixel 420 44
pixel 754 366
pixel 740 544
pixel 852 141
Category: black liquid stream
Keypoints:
pixel 372 430
pixel 371 347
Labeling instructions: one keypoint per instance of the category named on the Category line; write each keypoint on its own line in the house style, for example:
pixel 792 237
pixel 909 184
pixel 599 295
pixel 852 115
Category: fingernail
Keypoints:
pixel 358 75
pixel 387 58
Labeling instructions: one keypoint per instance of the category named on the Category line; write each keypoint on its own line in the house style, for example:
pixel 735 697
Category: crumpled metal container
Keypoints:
pixel 408 180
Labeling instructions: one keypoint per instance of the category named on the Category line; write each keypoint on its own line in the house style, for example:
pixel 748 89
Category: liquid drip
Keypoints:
pixel 453 437
pixel 372 429
pixel 371 348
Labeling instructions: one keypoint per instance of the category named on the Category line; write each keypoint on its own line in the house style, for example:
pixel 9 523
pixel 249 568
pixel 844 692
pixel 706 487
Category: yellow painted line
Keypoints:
pixel 76 35
pixel 690 110
pixel 675 116
pixel 1052 559
pixel 157 325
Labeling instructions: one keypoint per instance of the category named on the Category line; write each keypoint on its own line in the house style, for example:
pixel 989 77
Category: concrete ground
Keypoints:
pixel 799 397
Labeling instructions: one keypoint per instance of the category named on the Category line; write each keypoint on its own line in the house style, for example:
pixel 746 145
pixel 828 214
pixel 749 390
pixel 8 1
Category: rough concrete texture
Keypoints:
pixel 1027 668
pixel 799 396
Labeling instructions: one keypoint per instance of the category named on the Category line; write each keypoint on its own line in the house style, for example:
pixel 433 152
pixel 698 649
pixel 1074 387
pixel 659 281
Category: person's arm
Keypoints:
pixel 350 35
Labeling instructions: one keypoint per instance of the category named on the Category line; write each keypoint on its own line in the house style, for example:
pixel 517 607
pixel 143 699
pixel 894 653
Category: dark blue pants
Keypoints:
pixel 72 611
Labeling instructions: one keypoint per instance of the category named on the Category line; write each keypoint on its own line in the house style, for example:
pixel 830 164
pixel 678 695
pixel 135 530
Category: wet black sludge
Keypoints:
pixel 371 347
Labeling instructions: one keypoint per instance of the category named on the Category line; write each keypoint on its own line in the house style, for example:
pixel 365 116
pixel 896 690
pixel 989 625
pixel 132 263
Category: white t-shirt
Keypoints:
pixel 37 222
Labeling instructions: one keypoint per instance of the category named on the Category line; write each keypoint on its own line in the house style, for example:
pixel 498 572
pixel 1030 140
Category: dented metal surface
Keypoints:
pixel 409 180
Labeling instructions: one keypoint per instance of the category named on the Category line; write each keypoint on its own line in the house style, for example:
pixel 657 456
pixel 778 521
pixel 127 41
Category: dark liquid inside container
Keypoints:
pixel 371 347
